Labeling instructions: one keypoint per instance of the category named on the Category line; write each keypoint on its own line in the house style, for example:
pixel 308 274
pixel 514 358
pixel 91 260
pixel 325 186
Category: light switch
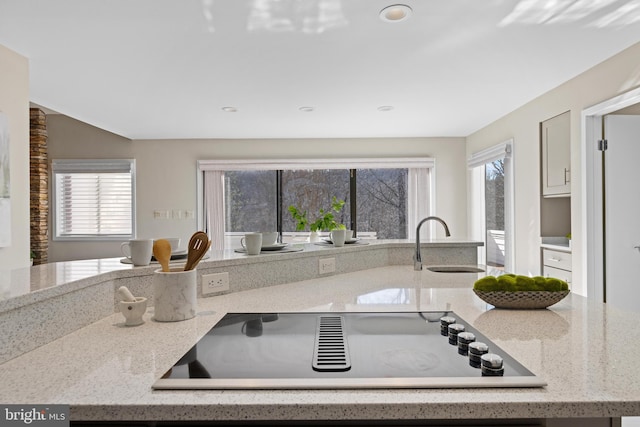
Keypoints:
pixel 160 214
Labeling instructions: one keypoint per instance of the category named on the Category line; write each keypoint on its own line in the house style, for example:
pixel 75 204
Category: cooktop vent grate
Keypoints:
pixel 331 352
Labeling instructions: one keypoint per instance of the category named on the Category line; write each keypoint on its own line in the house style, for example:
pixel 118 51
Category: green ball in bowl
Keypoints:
pixel 515 283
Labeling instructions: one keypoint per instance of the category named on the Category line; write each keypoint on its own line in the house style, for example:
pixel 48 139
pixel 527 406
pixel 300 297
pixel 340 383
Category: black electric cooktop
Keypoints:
pixel 306 350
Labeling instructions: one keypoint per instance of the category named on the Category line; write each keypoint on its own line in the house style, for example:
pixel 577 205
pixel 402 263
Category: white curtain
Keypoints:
pixel 419 200
pixel 214 207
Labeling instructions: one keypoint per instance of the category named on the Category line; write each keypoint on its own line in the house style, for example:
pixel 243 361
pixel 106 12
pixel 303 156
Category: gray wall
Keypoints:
pixel 166 172
pixel 616 75
pixel 14 103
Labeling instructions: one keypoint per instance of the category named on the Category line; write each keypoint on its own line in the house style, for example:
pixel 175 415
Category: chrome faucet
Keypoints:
pixel 417 259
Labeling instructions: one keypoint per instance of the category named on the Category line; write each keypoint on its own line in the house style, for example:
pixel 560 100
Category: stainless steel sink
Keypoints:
pixel 454 269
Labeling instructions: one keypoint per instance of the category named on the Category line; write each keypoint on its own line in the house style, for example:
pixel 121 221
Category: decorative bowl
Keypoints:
pixel 521 299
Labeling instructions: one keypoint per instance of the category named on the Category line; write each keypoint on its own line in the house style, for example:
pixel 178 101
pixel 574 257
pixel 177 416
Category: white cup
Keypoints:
pixel 349 236
pixel 138 251
pixel 338 237
pixel 252 242
pixel 270 238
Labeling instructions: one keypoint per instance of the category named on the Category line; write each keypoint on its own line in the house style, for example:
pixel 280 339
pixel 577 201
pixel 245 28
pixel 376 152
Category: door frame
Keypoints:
pixel 591 191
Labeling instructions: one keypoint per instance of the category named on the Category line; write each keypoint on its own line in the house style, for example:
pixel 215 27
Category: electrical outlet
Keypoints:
pixel 326 265
pixel 216 282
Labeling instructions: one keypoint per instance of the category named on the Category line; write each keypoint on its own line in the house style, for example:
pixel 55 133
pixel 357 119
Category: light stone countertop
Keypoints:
pixel 23 286
pixel 587 353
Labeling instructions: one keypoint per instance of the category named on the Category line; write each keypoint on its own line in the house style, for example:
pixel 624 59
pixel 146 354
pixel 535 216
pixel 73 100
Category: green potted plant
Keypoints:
pixel 299 217
pixel 325 220
pixel 32 256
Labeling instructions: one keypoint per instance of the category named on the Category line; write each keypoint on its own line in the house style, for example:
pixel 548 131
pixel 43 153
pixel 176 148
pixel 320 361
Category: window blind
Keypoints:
pixel 94 199
pixel 302 164
pixel 491 154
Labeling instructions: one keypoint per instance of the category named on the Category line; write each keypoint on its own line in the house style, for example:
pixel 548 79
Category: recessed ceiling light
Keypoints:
pixel 385 108
pixel 395 13
pixel 306 109
pixel 229 109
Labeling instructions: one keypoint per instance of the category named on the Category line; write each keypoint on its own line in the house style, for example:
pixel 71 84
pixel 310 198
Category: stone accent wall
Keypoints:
pixel 39 175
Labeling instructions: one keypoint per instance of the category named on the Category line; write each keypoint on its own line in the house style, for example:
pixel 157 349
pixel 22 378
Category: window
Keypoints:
pixel 93 199
pixel 312 190
pixel 494 213
pixel 384 198
pixel 250 201
pixel 492 205
pixel 382 202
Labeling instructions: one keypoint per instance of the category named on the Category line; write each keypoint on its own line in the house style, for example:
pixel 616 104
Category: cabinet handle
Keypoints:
pixel 555 259
pixel 567 175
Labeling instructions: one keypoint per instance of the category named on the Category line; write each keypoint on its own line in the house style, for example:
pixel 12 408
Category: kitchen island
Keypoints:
pixel 586 352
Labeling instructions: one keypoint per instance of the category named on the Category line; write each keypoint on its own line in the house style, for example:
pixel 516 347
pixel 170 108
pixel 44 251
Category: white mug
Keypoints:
pixel 138 251
pixel 338 237
pixel 270 238
pixel 349 236
pixel 252 242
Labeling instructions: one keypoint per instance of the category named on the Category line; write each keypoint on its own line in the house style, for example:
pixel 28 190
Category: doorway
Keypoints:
pixel 594 209
pixel 621 206
pixel 492 208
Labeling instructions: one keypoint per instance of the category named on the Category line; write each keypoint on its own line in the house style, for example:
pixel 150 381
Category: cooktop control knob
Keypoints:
pixel 445 321
pixel 492 365
pixel 464 339
pixel 491 360
pixel 476 350
pixel 454 330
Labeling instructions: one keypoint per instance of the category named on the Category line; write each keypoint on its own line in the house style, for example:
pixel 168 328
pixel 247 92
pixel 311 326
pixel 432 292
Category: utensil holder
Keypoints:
pixel 174 295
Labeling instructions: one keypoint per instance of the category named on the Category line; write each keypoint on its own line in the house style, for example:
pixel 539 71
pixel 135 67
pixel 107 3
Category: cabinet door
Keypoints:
pixel 556 259
pixel 557 273
pixel 556 156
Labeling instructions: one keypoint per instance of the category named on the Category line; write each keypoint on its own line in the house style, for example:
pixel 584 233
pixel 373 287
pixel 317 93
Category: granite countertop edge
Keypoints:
pixel 104 270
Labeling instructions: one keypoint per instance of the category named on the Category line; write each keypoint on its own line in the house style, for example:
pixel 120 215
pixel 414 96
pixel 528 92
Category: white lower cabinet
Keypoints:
pixel 556 264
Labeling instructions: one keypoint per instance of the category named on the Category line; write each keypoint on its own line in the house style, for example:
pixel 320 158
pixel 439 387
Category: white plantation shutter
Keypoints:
pixel 94 199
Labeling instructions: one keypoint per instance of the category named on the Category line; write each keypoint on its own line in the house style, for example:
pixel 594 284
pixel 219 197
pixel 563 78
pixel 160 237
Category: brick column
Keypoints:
pixel 39 176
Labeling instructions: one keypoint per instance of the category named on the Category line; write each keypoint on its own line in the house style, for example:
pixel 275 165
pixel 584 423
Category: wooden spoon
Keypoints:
pixel 162 252
pixel 198 246
pixel 197 260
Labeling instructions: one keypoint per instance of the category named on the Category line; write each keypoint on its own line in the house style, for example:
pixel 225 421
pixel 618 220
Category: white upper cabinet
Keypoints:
pixel 555 135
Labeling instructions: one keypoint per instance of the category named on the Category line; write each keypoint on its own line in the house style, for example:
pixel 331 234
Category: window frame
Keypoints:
pixel 417 208
pixel 63 166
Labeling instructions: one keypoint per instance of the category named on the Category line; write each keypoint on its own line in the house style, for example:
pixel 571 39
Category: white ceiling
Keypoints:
pixel 166 68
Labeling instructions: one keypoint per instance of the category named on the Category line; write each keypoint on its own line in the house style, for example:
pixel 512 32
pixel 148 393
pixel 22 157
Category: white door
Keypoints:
pixel 622 211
